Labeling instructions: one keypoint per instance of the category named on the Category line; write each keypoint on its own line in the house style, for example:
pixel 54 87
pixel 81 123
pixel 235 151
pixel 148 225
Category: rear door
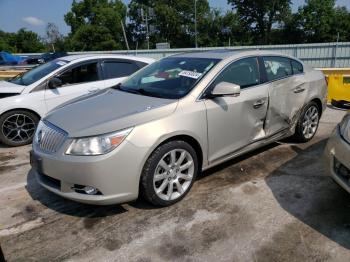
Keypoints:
pixel 234 122
pixel 116 70
pixel 77 80
pixel 287 92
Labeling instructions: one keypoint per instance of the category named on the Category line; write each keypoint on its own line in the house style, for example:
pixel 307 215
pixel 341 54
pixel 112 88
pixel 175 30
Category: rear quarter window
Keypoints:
pixel 297 67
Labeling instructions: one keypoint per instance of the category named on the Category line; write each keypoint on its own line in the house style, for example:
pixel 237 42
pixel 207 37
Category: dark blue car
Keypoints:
pixel 9 59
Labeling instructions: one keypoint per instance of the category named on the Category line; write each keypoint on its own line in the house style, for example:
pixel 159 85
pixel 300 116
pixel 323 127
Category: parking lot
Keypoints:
pixel 274 204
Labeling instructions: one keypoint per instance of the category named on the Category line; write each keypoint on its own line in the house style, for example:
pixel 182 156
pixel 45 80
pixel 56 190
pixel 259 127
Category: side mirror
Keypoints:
pixel 55 82
pixel 226 89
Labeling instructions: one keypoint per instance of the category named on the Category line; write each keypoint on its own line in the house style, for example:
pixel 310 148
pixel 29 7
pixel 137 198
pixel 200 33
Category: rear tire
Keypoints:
pixel 17 127
pixel 308 123
pixel 169 173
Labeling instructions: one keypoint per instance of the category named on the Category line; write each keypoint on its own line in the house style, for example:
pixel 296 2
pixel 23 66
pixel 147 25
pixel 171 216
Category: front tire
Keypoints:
pixel 17 127
pixel 169 173
pixel 308 123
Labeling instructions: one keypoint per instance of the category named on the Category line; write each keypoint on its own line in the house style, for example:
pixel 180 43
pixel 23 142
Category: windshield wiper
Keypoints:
pixel 117 86
pixel 17 77
pixel 139 91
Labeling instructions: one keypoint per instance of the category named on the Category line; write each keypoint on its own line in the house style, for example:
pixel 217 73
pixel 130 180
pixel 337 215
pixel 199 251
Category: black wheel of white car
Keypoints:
pixel 308 123
pixel 17 127
pixel 169 173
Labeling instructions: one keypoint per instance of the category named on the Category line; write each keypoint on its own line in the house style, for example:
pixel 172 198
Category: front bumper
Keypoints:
pixel 116 175
pixel 337 154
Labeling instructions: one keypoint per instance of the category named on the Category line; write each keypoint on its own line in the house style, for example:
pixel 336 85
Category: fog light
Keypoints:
pixel 90 190
pixel 340 169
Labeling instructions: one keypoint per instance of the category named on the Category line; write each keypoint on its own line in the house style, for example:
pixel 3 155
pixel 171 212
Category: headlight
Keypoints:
pixel 344 128
pixel 97 145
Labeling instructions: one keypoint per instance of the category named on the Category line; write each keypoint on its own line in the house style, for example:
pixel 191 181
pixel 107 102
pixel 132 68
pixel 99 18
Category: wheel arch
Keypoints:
pixel 22 109
pixel 319 105
pixel 183 137
pixel 191 141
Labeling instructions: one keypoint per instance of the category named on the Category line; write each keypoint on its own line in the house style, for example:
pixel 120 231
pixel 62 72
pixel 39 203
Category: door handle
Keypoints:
pixel 259 104
pixel 299 90
pixel 93 90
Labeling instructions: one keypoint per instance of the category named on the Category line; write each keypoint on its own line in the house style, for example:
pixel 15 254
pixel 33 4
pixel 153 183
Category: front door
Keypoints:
pixel 76 81
pixel 234 122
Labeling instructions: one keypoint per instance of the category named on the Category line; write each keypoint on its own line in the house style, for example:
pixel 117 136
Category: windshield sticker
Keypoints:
pixel 61 63
pixel 190 74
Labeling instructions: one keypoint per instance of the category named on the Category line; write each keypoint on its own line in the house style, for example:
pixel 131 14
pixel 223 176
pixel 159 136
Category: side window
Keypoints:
pixel 297 67
pixel 244 73
pixel 277 67
pixel 80 74
pixel 116 69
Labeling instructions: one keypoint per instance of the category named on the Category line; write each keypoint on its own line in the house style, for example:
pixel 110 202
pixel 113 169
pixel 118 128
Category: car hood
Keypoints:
pixel 108 111
pixel 10 88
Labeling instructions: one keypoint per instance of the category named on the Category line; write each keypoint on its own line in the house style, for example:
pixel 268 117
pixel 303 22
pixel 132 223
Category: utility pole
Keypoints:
pixel 147 32
pixel 195 22
pixel 145 18
pixel 336 50
pixel 124 34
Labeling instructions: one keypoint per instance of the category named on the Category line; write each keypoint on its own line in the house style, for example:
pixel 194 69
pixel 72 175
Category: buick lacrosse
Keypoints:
pixel 153 133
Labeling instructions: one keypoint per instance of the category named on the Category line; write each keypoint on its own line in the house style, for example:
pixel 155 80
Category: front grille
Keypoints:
pixel 49 138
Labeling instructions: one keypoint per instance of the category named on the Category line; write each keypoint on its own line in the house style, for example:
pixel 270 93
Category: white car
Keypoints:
pixel 25 99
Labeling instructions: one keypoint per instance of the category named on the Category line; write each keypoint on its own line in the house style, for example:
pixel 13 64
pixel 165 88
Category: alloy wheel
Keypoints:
pixel 173 174
pixel 310 122
pixel 18 128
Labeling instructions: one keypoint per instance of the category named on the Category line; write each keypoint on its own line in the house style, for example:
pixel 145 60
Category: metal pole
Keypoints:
pixel 195 22
pixel 336 51
pixel 147 33
pixel 124 34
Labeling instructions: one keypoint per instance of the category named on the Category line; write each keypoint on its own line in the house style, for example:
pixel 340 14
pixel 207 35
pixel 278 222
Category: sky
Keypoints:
pixel 35 14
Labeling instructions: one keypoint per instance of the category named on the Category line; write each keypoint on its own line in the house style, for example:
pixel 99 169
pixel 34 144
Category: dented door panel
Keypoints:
pixel 287 98
pixel 234 122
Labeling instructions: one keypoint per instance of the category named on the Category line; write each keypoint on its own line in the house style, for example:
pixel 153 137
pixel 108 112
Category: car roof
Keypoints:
pixel 83 57
pixel 229 53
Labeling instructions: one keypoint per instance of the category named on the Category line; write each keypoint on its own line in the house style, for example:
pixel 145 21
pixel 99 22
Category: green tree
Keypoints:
pixel 341 23
pixel 28 42
pixel 23 41
pixel 315 19
pixel 321 21
pixel 7 42
pixel 261 15
pixel 169 21
pixel 96 25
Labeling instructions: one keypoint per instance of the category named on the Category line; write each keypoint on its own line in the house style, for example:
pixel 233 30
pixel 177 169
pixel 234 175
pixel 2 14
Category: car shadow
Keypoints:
pixel 236 160
pixel 311 196
pixel 337 108
pixel 3 146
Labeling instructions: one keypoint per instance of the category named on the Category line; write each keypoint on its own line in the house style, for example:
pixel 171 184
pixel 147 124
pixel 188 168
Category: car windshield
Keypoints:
pixel 170 78
pixel 37 73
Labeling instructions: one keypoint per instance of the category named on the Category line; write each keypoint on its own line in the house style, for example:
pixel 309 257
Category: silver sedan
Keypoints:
pixel 152 134
pixel 338 154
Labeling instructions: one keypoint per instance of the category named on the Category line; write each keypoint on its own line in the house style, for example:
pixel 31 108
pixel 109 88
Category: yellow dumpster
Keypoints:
pixel 339 90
